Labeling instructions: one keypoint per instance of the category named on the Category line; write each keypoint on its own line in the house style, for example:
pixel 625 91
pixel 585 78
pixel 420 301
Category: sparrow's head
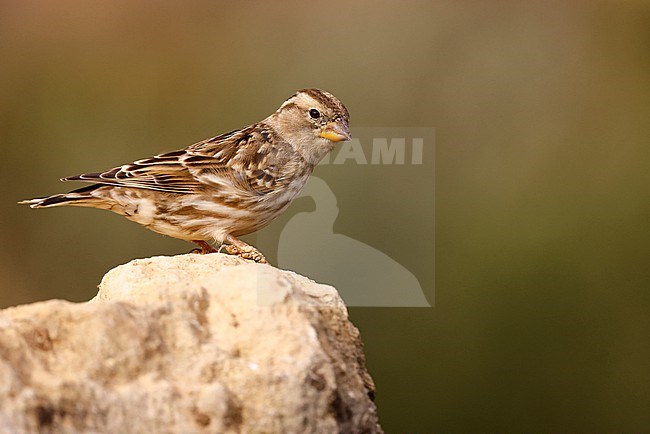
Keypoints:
pixel 313 121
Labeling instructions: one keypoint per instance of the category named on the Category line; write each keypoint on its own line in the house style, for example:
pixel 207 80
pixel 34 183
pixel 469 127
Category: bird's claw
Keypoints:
pixel 251 254
pixel 204 248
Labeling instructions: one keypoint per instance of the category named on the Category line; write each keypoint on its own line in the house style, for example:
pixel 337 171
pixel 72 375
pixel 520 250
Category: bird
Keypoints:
pixel 218 189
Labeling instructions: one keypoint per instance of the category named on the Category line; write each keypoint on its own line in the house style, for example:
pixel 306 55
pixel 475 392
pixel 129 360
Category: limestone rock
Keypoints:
pixel 187 344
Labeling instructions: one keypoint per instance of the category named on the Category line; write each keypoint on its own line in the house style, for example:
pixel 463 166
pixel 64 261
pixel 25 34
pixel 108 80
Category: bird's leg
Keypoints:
pixel 239 248
pixel 205 247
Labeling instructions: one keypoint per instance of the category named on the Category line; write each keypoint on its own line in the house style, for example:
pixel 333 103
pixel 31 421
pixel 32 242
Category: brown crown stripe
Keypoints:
pixel 327 99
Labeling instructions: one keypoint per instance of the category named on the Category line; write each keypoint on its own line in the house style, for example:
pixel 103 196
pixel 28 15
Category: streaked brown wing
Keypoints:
pixel 248 159
pixel 163 172
pixel 253 159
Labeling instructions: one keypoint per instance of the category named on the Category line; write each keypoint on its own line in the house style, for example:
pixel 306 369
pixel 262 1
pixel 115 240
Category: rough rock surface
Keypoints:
pixel 187 344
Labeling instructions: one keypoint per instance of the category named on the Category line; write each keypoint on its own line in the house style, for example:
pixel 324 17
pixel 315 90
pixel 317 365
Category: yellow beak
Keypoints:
pixel 336 131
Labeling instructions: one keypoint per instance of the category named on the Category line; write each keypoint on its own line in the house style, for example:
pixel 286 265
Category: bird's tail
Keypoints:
pixel 80 197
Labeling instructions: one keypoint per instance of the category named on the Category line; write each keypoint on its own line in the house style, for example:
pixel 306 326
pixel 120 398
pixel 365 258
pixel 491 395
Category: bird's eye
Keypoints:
pixel 315 114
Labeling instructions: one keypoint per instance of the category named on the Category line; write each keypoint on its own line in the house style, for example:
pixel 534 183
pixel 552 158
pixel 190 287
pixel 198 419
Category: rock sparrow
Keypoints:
pixel 223 187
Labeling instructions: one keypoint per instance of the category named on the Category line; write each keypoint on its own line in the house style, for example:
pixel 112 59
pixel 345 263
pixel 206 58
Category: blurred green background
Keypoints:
pixel 542 115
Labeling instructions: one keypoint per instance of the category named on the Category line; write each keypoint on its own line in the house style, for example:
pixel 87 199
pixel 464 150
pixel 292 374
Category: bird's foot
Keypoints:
pixel 252 254
pixel 243 250
pixel 205 248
